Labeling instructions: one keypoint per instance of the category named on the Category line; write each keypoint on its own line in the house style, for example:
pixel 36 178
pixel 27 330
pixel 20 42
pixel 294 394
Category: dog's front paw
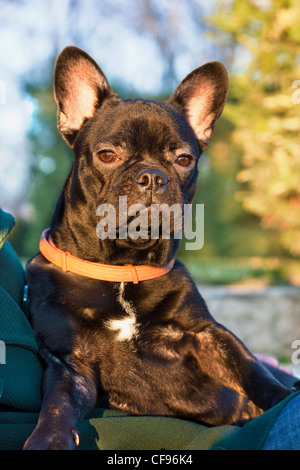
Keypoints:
pixel 44 439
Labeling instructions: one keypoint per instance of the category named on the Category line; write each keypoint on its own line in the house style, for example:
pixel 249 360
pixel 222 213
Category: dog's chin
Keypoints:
pixel 153 252
pixel 137 244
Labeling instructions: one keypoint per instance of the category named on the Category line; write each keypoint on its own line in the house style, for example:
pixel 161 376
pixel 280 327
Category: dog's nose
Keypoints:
pixel 151 178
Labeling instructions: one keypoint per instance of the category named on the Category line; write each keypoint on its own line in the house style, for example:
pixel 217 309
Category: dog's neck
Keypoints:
pixel 71 225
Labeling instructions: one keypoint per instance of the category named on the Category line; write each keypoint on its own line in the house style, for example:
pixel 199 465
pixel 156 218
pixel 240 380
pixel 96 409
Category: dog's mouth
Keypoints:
pixel 151 223
pixel 142 226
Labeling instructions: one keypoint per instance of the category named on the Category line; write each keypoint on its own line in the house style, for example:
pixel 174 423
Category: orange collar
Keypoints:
pixel 103 272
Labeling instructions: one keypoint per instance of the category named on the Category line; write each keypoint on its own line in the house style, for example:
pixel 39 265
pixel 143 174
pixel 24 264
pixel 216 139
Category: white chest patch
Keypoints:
pixel 127 327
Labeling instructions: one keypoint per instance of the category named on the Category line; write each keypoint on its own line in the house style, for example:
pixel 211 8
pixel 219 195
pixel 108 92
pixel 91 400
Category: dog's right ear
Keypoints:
pixel 80 87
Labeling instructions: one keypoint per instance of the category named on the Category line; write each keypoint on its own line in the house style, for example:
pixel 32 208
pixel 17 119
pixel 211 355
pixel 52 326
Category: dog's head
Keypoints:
pixel 144 151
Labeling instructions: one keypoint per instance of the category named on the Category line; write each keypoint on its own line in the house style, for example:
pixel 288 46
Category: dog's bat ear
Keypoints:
pixel 202 96
pixel 80 87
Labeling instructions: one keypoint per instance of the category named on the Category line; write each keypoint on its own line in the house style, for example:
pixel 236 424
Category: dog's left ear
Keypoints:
pixel 202 96
pixel 80 87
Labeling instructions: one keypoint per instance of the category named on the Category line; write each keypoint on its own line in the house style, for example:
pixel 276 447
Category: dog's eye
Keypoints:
pixel 108 157
pixel 183 160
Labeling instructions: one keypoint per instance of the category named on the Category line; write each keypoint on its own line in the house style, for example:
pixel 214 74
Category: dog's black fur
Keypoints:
pixel 175 360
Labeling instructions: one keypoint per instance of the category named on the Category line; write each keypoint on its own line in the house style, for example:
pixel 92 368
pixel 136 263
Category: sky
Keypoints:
pixel 32 32
pixel 26 45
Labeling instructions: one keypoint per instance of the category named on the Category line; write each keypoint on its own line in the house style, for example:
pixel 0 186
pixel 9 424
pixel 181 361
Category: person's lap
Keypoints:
pixel 285 432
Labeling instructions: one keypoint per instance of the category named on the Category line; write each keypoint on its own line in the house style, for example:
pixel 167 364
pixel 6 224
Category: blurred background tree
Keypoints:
pixel 249 178
pixel 265 41
pixel 50 164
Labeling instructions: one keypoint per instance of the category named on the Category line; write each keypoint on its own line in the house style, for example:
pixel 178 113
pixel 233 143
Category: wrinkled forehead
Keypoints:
pixel 142 125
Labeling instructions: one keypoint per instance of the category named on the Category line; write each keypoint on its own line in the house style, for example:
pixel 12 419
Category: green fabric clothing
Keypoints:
pixel 21 382
pixel 7 222
pixel 111 430
pixel 11 270
pixel 21 372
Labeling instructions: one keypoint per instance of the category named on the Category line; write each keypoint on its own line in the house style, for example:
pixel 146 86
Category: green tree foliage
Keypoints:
pixel 264 109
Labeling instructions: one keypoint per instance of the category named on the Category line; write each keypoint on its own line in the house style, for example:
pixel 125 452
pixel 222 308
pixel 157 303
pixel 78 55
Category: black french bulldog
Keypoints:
pixel 147 348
